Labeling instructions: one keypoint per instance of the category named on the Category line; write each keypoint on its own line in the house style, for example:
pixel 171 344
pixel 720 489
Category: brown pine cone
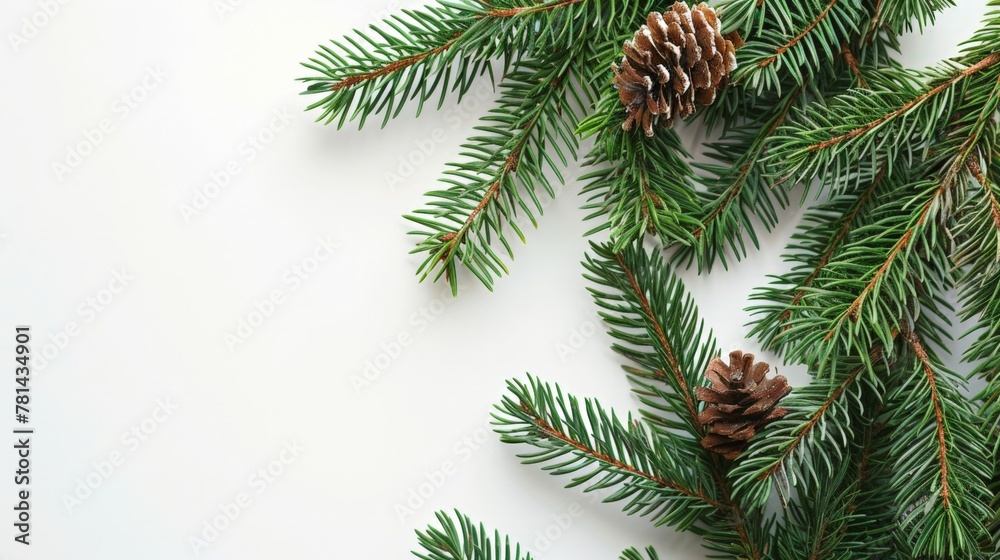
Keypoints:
pixel 677 59
pixel 739 402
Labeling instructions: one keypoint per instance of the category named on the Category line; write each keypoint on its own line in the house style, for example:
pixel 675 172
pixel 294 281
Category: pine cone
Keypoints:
pixel 739 403
pixel 677 59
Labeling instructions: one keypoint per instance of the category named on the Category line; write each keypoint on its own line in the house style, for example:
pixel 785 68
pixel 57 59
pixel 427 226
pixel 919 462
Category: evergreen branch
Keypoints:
pixel 390 68
pixel 507 166
pixel 802 47
pixel 633 554
pixel 988 61
pixel 418 54
pixel 871 525
pixel 810 442
pixel 844 226
pixel 657 478
pixel 889 122
pixel 649 312
pixel 942 502
pixel 519 10
pixel 639 185
pixel 845 517
pixel 942 440
pixel 794 40
pixel 408 56
pixel 865 291
pixel 823 232
pixel 737 188
pixel 900 15
pixel 465 541
pixel 646 307
pixel 978 232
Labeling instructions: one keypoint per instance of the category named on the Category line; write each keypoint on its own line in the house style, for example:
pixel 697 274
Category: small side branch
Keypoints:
pixel 942 437
pixel 794 41
pixel 599 456
pixel 987 61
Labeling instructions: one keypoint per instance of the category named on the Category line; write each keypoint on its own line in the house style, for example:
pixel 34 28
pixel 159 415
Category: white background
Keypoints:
pixel 211 81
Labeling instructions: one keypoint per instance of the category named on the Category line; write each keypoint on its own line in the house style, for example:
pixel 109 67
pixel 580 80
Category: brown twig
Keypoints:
pixel 852 63
pixel 986 62
pixel 791 43
pixel 551 432
pixel 875 354
pixel 977 173
pixel 942 438
pixel 845 228
pixel 403 63
pixel 675 368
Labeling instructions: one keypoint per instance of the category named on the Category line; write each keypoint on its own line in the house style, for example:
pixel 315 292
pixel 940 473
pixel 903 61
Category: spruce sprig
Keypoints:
pixel 884 454
pixel 553 59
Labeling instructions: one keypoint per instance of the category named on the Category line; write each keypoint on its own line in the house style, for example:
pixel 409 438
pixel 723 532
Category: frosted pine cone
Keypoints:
pixel 675 61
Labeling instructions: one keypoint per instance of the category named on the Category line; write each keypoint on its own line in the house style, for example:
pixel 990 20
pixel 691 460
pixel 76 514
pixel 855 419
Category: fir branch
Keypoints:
pixel 802 47
pixel 657 479
pixel 465 541
pixel 528 133
pixel 939 421
pixel 901 15
pixel 823 232
pixel 846 517
pixel 889 121
pixel 810 442
pixel 795 40
pixel 407 56
pixel 943 499
pixel 418 54
pixel 633 554
pixel 639 185
pixel 656 326
pixel 647 309
pixel 737 188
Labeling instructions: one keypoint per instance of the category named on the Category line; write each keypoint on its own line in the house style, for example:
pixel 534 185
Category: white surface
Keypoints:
pixel 216 81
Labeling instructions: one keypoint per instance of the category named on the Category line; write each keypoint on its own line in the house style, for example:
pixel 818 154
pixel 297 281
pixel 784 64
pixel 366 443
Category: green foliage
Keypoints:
pixel 814 442
pixel 655 462
pixel 633 554
pixel 660 479
pixel 465 541
pixel 527 134
pixel 805 39
pixel 883 454
pixel 555 58
pixel 939 445
pixel 638 184
pixel 638 297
